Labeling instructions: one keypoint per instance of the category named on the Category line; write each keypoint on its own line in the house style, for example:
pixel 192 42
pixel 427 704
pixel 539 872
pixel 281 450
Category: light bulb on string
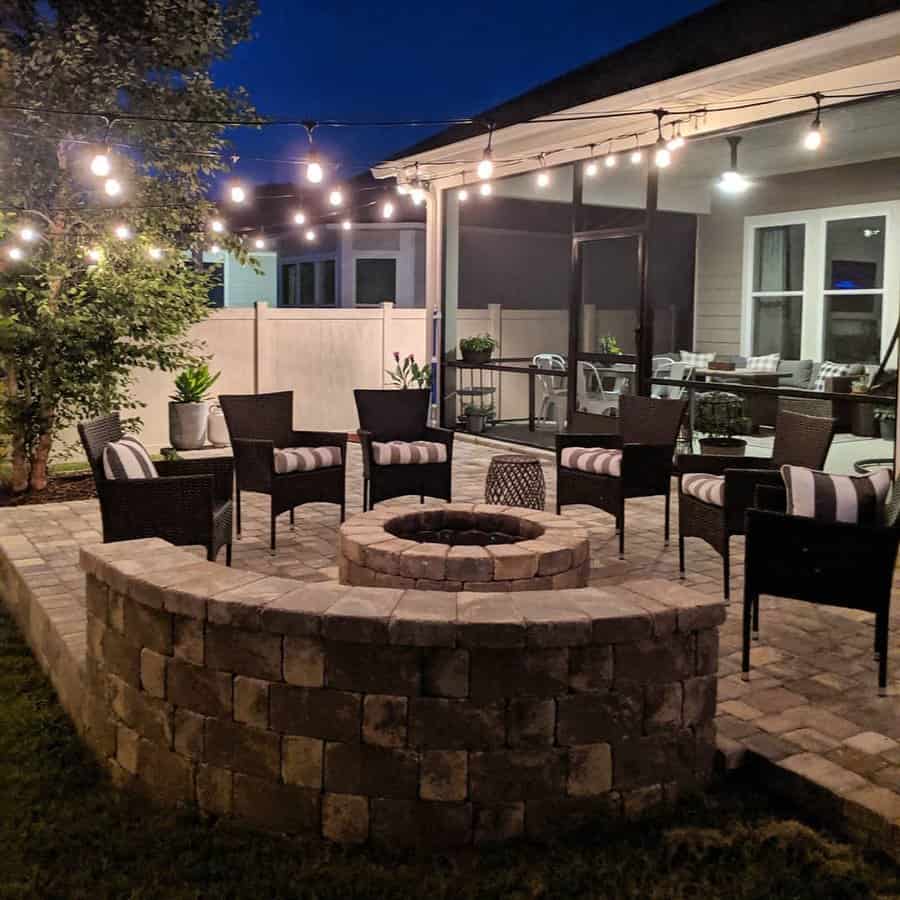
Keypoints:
pixel 731 180
pixel 486 164
pixel 310 235
pixel 637 155
pixel 676 141
pixel 237 194
pixel 542 179
pixel 663 156
pixel 336 198
pixel 215 248
pixel 387 211
pixel 462 195
pixel 314 173
pixel 260 243
pixel 217 225
pixel 16 254
pixel 112 187
pixel 417 194
pixel 28 234
pixel 590 168
pixel 486 189
pixel 346 224
pixel 100 165
pixel 95 254
pixel 155 253
pixel 123 232
pixel 402 190
pixel 813 138
pixel 611 160
pixel 299 218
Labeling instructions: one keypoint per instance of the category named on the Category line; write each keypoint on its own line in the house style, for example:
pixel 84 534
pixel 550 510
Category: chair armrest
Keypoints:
pixel 647 461
pixel 608 441
pixel 740 489
pixel 770 498
pixel 254 462
pixel 365 445
pixel 320 439
pixel 439 435
pixel 717 465
pixel 847 535
pixel 220 467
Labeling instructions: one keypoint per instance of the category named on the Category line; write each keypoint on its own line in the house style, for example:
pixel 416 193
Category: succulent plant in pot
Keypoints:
pixel 886 420
pixel 477 349
pixel 720 416
pixel 188 408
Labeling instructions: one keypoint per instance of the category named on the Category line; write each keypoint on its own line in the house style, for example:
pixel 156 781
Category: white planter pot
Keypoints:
pixel 217 430
pixel 187 425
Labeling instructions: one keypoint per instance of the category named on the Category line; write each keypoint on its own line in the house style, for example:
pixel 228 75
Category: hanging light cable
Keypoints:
pixel 813 138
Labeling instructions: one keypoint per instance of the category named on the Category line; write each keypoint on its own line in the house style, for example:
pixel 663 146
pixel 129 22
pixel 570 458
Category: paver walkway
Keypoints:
pixel 811 705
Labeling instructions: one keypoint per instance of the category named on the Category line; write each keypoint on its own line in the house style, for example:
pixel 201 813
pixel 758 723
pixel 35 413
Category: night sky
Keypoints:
pixel 405 60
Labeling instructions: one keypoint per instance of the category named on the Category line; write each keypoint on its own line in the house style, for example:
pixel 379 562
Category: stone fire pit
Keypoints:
pixel 463 547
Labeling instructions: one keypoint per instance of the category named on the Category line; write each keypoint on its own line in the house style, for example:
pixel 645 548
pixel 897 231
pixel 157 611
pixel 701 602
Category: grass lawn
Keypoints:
pixel 64 832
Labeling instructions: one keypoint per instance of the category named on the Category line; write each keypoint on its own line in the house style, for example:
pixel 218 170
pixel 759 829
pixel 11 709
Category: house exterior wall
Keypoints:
pixel 720 245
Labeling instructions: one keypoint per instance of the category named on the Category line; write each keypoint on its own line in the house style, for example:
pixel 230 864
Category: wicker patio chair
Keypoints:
pixel 260 424
pixel 392 415
pixel 728 492
pixel 648 429
pixel 190 503
pixel 828 563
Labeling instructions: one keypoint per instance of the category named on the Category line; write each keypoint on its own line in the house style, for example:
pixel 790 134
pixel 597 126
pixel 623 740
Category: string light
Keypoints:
pixel 732 181
pixel 238 194
pixel 346 224
pixel 95 254
pixel 462 195
pixel 310 235
pixel 663 156
pixel 336 198
pixel 591 168
pixel 112 187
pixel 27 234
pixel 260 243
pixel 402 190
pixel 417 195
pixel 637 154
pixel 299 218
pixel 676 141
pixel 486 165
pixel 387 210
pixel 217 225
pixel 100 165
pixel 155 253
pixel 813 139
pixel 215 248
pixel 15 254
pixel 543 178
pixel 123 232
pixel 611 160
pixel 314 173
pixel 486 190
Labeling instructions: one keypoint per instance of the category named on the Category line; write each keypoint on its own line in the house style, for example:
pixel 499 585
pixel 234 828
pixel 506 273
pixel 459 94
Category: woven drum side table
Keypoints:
pixel 515 481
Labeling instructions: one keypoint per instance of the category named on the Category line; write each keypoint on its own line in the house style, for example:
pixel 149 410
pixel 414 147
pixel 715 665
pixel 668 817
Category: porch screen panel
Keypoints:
pixel 854 288
pixel 777 296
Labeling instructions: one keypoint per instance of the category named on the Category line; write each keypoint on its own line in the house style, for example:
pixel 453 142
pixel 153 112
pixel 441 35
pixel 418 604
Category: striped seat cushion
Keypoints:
pixel 598 460
pixel 127 458
pixel 401 453
pixel 705 488
pixel 858 499
pixel 305 459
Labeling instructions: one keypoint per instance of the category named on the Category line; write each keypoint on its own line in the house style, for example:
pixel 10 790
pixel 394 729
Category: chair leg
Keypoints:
pixel 620 521
pixel 237 505
pixel 681 570
pixel 749 601
pixel 668 506
pixel 421 498
pixel 343 511
pixel 272 535
pixel 228 554
pixel 365 494
pixel 756 618
pixel 881 635
pixel 726 572
pixel 292 518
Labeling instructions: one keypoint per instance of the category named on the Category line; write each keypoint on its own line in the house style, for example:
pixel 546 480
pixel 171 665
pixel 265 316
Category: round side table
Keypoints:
pixel 515 481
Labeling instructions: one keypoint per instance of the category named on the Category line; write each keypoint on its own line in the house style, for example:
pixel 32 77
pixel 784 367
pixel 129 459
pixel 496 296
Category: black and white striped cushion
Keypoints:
pixel 836 498
pixel 127 458
pixel 305 459
pixel 597 460
pixel 705 488
pixel 394 453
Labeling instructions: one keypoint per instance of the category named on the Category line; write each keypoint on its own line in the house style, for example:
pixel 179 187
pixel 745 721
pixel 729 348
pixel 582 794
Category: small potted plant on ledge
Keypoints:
pixel 188 409
pixel 478 349
pixel 478 417
pixel 720 416
pixel 609 345
pixel 886 419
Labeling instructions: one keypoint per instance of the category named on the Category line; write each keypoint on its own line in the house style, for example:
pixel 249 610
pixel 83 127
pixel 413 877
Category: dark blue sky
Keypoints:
pixel 408 60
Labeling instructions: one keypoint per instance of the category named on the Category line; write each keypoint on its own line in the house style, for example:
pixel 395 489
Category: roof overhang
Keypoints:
pixel 860 57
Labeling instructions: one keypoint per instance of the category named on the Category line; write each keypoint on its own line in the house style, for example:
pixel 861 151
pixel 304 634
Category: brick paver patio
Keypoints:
pixel 810 707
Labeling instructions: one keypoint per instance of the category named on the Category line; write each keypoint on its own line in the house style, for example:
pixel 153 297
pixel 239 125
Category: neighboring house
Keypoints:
pixel 242 285
pixel 803 262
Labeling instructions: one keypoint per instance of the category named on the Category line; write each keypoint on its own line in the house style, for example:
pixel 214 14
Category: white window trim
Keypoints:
pixel 815 221
pixel 316 259
pixel 377 254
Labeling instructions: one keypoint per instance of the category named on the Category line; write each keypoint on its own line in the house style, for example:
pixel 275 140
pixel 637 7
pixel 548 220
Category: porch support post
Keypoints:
pixel 644 346
pixel 574 296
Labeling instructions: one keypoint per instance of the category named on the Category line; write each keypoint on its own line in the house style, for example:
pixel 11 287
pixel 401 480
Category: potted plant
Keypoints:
pixel 477 349
pixel 720 416
pixel 477 417
pixel 887 423
pixel 188 411
pixel 609 345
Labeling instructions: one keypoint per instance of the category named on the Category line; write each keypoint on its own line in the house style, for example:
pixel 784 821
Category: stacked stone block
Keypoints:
pixel 401 718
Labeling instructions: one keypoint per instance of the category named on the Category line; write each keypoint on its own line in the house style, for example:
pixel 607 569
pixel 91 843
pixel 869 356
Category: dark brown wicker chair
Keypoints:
pixel 260 423
pixel 648 429
pixel 397 415
pixel 829 563
pixel 800 440
pixel 190 503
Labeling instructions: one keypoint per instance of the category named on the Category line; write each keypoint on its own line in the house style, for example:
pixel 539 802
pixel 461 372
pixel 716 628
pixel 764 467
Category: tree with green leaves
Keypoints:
pixel 95 283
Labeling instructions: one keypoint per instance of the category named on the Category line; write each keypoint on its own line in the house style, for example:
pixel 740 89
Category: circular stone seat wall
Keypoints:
pixel 400 717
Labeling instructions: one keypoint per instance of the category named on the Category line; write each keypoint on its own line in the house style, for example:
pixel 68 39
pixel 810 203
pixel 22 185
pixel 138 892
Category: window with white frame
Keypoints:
pixel 308 283
pixel 820 284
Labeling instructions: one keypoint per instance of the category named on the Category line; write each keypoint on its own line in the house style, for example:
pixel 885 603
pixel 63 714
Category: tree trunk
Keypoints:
pixel 19 478
pixel 40 461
